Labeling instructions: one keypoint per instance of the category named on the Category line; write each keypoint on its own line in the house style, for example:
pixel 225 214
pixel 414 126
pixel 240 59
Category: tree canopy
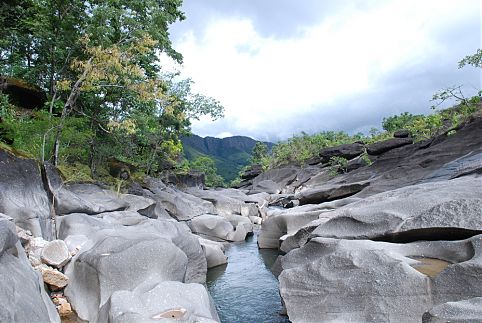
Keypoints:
pixel 98 60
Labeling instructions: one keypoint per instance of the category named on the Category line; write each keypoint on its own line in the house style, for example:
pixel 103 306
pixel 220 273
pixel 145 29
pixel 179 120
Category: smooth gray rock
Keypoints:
pixel 334 280
pixel 466 311
pixel 85 198
pixel 88 199
pixel 22 295
pixel 55 253
pixel 223 203
pixel 218 227
pixel 166 302
pixel 155 211
pixel 249 209
pixel 125 218
pixel 355 163
pixel 281 222
pixel 330 192
pixel 381 147
pixel 434 210
pixel 182 206
pixel 259 198
pixel 181 236
pixel 214 252
pixel 22 195
pixel 274 179
pixel 178 233
pixel 81 224
pixel 75 242
pixel 154 185
pixel 267 186
pixel 120 261
pixel 136 202
pixel 237 220
pixel 348 151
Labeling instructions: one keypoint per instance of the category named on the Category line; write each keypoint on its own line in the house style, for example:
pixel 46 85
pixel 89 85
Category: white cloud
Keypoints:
pixel 265 82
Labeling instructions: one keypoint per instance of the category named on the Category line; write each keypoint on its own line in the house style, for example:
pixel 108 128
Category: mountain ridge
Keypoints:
pixel 230 154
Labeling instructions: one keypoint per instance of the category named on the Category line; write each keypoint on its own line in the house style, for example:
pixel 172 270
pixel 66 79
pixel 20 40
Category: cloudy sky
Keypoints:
pixel 280 67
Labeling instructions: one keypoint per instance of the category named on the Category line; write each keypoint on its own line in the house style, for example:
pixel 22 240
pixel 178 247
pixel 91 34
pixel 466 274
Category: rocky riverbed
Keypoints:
pixel 395 241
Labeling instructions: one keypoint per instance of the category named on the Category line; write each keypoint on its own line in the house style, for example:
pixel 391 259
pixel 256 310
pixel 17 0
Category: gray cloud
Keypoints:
pixel 409 88
pixel 271 18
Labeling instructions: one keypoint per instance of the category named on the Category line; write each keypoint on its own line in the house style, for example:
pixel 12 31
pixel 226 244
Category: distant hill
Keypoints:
pixel 230 153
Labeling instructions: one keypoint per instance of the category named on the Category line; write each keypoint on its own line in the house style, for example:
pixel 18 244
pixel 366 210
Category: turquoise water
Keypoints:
pixel 245 290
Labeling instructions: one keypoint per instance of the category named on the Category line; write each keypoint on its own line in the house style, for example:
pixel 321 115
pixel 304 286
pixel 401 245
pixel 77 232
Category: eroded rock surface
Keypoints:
pixel 166 301
pixel 462 311
pixel 435 209
pixel 22 296
pixel 333 280
pixel 22 195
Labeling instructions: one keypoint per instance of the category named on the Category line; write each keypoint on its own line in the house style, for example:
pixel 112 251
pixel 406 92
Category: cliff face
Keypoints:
pixel 230 154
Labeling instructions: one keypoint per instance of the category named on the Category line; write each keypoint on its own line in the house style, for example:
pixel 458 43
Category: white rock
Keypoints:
pixel 55 253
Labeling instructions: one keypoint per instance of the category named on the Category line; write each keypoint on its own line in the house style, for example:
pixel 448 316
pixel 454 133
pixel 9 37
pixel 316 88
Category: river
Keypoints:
pixel 245 290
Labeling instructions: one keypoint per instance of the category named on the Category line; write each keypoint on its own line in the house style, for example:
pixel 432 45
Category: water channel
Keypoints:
pixel 245 290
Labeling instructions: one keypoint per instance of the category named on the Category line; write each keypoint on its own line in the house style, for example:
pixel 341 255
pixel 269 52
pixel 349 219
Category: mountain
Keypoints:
pixel 230 154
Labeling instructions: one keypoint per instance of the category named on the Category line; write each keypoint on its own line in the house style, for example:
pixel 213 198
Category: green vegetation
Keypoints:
pixel 260 155
pixel 299 149
pixel 206 165
pixel 107 96
pixel 338 165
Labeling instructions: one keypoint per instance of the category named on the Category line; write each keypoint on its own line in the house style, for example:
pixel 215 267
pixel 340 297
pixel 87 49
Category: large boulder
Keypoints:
pixel 252 171
pixel 435 210
pixel 347 151
pixel 214 252
pixel 279 176
pixel 281 223
pixel 334 280
pixel 22 195
pixel 86 198
pixel 182 206
pixel 55 253
pixel 118 261
pixel 89 199
pixel 218 227
pixel 329 192
pixel 268 186
pixel 83 227
pixel 223 204
pixel 381 147
pixel 22 295
pixel 462 311
pixel 166 301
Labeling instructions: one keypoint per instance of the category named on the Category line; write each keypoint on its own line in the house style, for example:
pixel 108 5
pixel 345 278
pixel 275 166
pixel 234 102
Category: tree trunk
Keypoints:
pixel 68 106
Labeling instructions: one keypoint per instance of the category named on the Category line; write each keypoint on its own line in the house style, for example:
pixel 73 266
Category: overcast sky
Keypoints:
pixel 280 67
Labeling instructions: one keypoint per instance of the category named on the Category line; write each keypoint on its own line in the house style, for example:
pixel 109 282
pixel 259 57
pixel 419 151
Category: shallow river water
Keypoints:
pixel 245 290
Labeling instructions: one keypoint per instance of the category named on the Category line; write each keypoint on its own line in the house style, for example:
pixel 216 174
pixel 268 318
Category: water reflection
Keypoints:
pixel 245 290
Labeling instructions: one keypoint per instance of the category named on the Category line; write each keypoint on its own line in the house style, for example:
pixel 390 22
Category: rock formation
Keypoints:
pixel 396 241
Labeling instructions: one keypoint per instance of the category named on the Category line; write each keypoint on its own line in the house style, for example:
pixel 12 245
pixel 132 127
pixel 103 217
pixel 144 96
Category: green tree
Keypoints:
pixel 98 60
pixel 206 165
pixel 398 122
pixel 260 154
pixel 475 60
